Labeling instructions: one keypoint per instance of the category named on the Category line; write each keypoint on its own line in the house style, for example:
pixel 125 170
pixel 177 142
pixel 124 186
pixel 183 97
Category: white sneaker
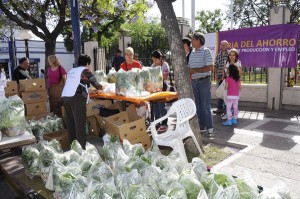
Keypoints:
pixel 224 116
pixel 211 133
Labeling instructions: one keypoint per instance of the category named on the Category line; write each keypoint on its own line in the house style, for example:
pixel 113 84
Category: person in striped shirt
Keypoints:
pixel 201 66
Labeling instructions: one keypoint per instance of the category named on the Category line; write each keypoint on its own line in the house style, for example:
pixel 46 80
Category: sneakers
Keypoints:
pixel 211 133
pixel 227 123
pixel 203 131
pixel 234 121
pixel 162 128
pixel 224 116
pixel 218 111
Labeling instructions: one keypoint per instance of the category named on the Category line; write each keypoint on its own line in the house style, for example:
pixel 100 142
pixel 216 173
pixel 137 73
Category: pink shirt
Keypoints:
pixel 233 87
pixel 53 76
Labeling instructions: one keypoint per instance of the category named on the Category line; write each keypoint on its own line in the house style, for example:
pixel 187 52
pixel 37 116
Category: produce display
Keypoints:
pixel 126 83
pixel 49 123
pixel 133 83
pixel 130 172
pixel 111 76
pixel 156 79
pixel 100 76
pixel 12 116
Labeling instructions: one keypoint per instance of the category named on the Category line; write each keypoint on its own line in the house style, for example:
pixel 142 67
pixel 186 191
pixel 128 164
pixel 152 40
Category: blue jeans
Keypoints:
pixel 160 111
pixel 201 89
pixel 221 104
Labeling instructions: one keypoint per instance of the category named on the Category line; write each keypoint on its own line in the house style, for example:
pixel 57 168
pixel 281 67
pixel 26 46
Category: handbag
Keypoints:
pixel 55 92
pixel 220 92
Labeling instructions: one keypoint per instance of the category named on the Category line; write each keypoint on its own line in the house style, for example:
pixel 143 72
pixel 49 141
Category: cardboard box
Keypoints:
pixel 11 88
pixel 61 136
pixel 126 125
pixel 36 108
pixel 93 107
pixel 100 119
pixel 11 94
pixel 32 85
pixel 35 117
pixel 34 97
pixel 93 127
pixel 144 140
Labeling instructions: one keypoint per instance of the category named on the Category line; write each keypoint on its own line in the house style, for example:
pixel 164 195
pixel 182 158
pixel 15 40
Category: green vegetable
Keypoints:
pixel 47 155
pixel 141 192
pixel 189 180
pixel 85 167
pixel 143 79
pixel 246 189
pixel 66 181
pixel 30 157
pixel 12 119
pixel 176 190
pixel 76 147
pixel 54 144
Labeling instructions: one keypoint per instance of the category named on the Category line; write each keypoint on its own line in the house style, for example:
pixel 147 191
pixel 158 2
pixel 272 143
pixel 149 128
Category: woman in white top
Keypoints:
pixel 233 58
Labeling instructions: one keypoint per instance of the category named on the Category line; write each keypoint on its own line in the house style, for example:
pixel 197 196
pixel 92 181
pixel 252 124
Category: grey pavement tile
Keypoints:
pixel 280 143
pixel 265 179
pixel 274 167
pixel 268 153
pixel 239 138
pixel 278 127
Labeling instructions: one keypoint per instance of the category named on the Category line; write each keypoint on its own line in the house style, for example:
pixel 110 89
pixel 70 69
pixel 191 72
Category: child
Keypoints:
pixel 159 107
pixel 233 85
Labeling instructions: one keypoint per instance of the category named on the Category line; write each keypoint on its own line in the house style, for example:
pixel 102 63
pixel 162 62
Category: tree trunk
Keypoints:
pixel 50 45
pixel 182 77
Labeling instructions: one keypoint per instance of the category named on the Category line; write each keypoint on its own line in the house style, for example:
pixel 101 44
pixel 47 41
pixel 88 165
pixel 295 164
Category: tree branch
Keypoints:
pixel 20 23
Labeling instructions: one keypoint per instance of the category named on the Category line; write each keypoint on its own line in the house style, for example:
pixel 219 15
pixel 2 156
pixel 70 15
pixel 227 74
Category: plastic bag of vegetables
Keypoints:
pixel 30 159
pixel 143 79
pixel 141 191
pixel 100 172
pixel 191 183
pixel 247 187
pixel 12 119
pixel 199 166
pixel 125 180
pixel 111 76
pixel 133 150
pixel 100 76
pixel 156 79
pixel 107 189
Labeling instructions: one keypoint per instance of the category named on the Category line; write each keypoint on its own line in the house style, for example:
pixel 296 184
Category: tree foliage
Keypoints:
pixel 253 13
pixel 49 18
pixel 210 21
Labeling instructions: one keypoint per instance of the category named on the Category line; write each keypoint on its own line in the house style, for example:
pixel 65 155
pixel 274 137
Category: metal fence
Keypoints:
pixel 255 75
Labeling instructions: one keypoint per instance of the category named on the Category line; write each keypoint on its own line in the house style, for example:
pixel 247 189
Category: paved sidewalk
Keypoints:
pixel 273 147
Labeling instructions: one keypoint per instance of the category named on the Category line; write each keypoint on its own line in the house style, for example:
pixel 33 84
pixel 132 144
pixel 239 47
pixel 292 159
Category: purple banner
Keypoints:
pixel 274 46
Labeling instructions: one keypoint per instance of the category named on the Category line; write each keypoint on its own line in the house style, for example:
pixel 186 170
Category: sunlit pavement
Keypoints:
pixel 273 147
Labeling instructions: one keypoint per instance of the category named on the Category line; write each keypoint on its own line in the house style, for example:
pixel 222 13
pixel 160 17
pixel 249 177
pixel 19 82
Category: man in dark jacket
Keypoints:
pixel 21 71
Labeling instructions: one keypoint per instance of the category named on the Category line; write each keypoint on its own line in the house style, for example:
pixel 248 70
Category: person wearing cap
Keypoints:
pixel 75 97
pixel 218 72
pixel 201 65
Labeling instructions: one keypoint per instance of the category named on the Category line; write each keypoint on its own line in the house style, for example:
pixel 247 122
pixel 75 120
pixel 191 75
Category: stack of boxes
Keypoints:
pixel 11 88
pixel 34 95
pixel 128 125
pixel 92 111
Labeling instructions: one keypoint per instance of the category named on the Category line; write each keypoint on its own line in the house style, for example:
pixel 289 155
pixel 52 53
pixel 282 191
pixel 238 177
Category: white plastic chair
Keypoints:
pixel 185 109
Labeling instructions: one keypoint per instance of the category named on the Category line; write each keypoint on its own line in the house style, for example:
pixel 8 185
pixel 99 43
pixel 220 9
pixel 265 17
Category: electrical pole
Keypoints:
pixel 193 15
pixel 75 29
